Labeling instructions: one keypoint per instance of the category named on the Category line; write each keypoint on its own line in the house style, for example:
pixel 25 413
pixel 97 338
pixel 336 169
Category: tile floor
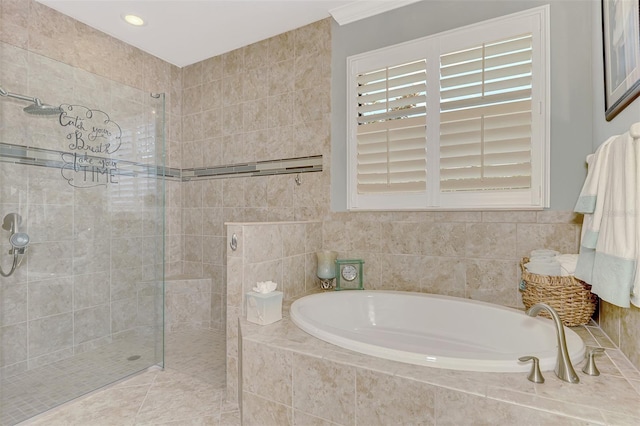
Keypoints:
pixel 189 391
pixel 39 389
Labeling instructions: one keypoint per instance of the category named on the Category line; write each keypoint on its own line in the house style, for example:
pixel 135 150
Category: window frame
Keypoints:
pixel 430 48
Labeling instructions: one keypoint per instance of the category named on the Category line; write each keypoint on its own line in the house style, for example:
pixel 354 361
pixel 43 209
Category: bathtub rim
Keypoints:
pixel 576 345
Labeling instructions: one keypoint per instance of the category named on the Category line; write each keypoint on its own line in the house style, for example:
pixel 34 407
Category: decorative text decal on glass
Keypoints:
pixel 91 135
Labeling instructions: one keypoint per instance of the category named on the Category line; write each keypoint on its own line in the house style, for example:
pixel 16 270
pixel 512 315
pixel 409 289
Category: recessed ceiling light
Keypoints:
pixel 134 20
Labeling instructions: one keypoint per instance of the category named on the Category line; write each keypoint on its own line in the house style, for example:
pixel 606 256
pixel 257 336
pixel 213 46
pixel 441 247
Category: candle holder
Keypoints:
pixel 326 268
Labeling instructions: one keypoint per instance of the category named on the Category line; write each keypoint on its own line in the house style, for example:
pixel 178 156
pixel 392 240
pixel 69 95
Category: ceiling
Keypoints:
pixel 183 32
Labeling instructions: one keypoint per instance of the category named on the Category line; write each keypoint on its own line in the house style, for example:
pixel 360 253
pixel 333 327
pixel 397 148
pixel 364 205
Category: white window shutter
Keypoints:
pixel 485 116
pixel 391 129
pixel 457 120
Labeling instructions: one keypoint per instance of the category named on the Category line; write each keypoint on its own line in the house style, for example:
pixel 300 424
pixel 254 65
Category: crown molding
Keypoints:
pixel 362 9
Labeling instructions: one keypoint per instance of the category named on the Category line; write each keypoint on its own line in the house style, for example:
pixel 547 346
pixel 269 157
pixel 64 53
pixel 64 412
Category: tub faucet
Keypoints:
pixel 564 370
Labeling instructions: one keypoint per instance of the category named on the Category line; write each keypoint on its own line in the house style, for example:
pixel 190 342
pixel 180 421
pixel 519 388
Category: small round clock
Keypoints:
pixel 349 272
pixel 349 276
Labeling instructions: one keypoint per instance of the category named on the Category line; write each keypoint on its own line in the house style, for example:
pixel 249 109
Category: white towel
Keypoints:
pixel 609 247
pixel 544 268
pixel 568 263
pixel 543 253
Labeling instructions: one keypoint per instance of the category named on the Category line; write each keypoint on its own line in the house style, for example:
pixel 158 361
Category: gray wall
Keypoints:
pixel 572 88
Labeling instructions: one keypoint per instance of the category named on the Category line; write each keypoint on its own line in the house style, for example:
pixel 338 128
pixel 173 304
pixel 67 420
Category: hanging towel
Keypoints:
pixel 609 250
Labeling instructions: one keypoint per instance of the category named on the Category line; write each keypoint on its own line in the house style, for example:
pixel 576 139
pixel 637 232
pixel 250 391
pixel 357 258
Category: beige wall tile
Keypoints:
pixel 50 297
pixel 263 243
pixel 91 323
pixel 293 276
pixel 443 275
pixel 13 301
pixel 442 239
pixel 123 315
pixel 270 372
pixel 401 238
pixel 233 62
pixel 256 55
pixel 401 272
pixel 300 418
pixel 385 399
pixel 630 334
pixel 211 69
pixel 458 408
pixel 510 216
pixel 491 240
pixel 293 234
pixel 50 334
pixel 324 389
pixel 561 237
pixel 192 75
pixel 259 411
pixel 47 260
pixel 14 344
pixel 554 216
pixel 494 281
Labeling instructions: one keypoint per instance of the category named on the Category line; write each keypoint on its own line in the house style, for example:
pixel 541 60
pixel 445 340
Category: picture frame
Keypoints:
pixel 621 49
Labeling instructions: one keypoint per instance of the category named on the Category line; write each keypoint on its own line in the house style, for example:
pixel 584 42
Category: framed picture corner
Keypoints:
pixel 621 50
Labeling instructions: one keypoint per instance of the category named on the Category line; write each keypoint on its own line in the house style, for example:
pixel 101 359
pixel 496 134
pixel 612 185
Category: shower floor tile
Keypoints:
pixel 194 362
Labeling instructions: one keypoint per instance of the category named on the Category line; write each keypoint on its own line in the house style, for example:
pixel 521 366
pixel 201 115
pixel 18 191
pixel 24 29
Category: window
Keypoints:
pixel 454 120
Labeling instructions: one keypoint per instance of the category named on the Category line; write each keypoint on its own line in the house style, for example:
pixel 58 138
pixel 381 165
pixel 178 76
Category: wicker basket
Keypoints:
pixel 569 296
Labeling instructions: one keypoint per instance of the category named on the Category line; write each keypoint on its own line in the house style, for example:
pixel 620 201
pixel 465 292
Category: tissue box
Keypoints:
pixel 264 308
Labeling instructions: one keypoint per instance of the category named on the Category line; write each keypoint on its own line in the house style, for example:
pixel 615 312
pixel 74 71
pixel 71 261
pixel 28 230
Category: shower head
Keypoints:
pixel 38 108
pixel 19 240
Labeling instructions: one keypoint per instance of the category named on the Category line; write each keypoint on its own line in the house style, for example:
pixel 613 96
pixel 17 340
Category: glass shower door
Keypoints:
pixel 81 242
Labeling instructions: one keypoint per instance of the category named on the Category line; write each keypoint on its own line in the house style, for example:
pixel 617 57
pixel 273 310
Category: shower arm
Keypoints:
pixel 17 96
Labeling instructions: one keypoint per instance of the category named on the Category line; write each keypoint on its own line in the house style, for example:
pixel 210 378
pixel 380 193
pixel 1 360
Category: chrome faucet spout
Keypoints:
pixel 564 369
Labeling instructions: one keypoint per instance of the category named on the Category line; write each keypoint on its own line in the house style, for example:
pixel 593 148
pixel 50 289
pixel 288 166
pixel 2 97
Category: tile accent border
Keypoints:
pixel 258 168
pixel 30 156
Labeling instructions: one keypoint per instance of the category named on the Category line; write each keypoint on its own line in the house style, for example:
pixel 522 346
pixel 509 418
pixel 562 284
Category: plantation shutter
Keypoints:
pixel 485 116
pixel 391 132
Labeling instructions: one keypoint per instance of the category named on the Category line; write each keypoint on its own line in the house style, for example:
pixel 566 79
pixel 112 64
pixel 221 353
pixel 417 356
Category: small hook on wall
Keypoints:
pixel 298 180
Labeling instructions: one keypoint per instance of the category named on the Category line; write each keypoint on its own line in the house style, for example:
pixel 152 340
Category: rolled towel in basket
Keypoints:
pixel 543 267
pixel 543 253
pixel 567 263
pixel 543 259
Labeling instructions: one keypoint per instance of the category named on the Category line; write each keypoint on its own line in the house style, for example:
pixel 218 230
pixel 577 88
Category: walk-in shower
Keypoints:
pixel 81 232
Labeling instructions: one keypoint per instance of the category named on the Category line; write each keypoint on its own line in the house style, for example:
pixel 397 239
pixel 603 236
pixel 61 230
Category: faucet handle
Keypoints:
pixel 590 366
pixel 535 375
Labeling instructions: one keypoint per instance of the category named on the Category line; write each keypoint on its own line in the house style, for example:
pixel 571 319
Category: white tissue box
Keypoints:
pixel 264 308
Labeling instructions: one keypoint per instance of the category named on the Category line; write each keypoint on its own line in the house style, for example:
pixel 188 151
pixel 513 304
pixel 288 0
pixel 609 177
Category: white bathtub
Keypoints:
pixel 432 330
